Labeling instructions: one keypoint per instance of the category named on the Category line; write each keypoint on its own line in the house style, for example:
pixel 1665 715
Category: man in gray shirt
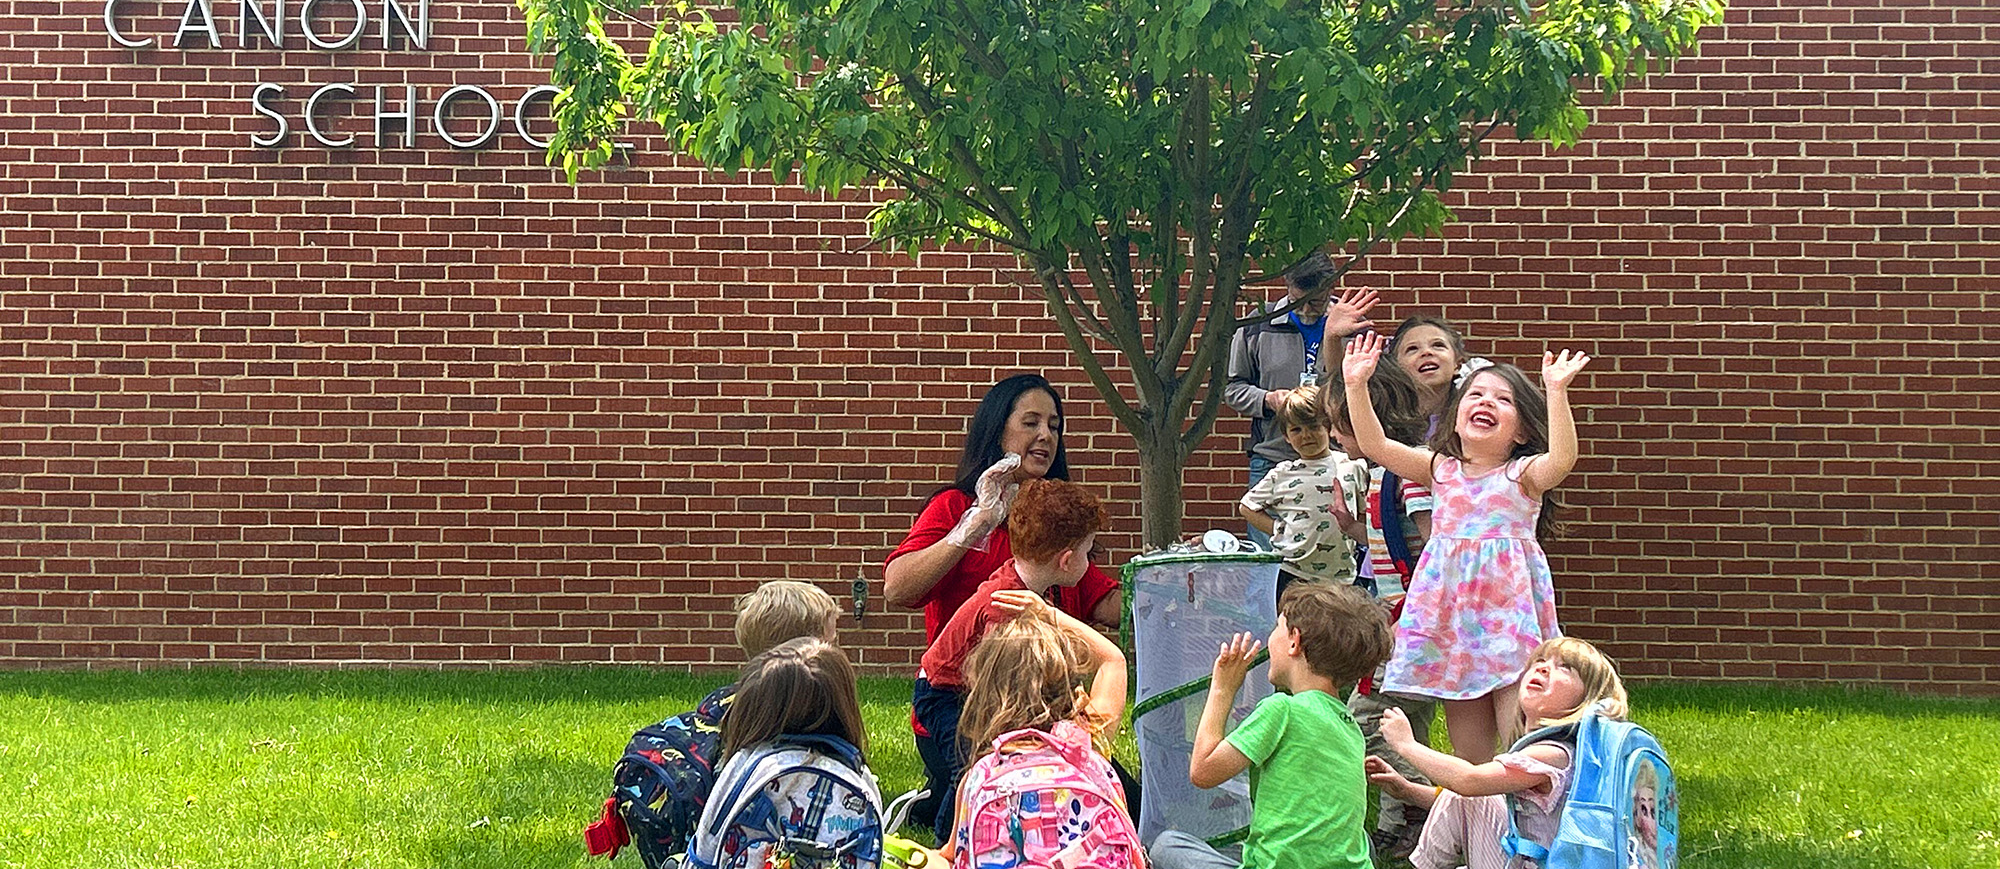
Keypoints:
pixel 1271 357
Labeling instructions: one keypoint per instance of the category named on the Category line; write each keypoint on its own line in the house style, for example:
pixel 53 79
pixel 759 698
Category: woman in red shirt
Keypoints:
pixel 960 538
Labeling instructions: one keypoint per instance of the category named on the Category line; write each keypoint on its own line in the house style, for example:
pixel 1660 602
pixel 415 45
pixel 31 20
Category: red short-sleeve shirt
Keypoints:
pixel 959 583
pixel 944 661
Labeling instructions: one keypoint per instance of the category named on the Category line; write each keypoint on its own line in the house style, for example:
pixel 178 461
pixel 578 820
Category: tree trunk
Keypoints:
pixel 1162 473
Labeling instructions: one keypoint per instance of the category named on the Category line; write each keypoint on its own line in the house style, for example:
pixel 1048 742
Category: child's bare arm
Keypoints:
pixel 1107 686
pixel 1258 519
pixel 1547 471
pixel 1410 463
pixel 1460 775
pixel 1214 760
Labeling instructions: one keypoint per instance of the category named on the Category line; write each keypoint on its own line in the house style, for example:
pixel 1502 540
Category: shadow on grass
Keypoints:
pixel 511 825
pixel 1750 850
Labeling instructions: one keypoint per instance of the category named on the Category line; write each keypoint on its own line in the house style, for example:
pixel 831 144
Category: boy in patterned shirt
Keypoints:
pixel 1314 507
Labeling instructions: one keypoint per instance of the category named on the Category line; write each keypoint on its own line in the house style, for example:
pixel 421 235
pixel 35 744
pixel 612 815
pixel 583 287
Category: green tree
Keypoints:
pixel 1144 159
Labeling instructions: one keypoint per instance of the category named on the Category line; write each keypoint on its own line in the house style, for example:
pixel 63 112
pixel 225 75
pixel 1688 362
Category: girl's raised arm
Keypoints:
pixel 1108 685
pixel 1410 463
pixel 1547 471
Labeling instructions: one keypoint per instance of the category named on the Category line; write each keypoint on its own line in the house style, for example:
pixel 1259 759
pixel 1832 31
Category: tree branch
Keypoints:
pixel 1092 366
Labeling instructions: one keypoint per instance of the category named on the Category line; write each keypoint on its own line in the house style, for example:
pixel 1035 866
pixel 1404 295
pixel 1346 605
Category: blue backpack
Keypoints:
pixel 1623 810
pixel 799 802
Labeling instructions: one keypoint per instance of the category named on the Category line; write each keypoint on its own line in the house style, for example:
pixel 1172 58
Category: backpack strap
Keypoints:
pixel 1393 538
pixel 839 749
pixel 1513 844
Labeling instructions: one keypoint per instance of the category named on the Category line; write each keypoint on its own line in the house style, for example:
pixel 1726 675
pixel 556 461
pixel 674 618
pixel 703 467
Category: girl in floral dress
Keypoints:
pixel 1481 599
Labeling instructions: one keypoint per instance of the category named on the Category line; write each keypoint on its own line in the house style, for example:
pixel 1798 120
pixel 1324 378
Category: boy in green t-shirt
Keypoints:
pixel 1308 794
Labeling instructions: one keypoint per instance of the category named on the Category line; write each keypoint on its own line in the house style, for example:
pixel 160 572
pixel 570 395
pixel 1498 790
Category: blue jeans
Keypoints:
pixel 1174 849
pixel 1259 467
pixel 937 709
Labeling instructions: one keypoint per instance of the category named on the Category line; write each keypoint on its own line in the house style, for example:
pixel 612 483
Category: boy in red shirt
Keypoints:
pixel 1053 526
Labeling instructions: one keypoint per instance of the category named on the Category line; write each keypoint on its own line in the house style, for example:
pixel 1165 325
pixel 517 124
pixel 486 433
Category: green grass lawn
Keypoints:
pixel 395 769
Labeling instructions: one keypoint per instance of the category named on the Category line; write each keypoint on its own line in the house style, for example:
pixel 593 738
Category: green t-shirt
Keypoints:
pixel 1308 793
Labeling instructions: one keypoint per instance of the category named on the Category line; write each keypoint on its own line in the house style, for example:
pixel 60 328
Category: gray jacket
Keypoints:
pixel 1268 356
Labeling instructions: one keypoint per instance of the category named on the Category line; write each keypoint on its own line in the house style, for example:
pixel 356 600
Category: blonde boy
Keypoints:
pixel 782 610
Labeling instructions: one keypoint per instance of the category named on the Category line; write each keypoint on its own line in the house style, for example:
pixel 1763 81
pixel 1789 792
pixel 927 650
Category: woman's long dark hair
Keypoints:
pixel 989 422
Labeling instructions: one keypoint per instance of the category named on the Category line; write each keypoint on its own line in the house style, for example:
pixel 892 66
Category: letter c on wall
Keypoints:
pixel 111 27
pixel 312 115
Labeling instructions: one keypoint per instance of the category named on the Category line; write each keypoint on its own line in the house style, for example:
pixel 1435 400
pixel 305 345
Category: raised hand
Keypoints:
pixel 1232 661
pixel 992 495
pixel 1013 602
pixel 1361 356
pixel 1559 371
pixel 1349 313
pixel 994 482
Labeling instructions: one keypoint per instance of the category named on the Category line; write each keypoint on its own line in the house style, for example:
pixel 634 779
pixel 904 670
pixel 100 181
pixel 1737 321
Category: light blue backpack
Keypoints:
pixel 1623 810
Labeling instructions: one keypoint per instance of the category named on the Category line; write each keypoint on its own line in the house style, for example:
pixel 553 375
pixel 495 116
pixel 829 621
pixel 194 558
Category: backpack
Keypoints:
pixel 798 802
pixel 1052 805
pixel 1393 537
pixel 661 783
pixel 1623 810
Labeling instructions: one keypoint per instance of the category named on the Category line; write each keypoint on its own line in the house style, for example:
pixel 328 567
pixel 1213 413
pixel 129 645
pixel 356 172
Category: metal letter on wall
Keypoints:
pixel 408 116
pixel 249 15
pixel 205 26
pixel 312 114
pixel 111 27
pixel 393 14
pixel 352 37
pixel 257 98
pixel 547 91
pixel 492 117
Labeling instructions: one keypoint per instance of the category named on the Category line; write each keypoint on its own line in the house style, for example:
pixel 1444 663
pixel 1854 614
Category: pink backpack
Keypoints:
pixel 1046 801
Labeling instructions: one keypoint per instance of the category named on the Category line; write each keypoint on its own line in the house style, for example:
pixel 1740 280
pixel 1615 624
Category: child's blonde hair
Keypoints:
pixel 1598 674
pixel 782 610
pixel 1302 407
pixel 1026 672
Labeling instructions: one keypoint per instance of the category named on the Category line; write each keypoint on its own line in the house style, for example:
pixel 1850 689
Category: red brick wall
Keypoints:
pixel 436 406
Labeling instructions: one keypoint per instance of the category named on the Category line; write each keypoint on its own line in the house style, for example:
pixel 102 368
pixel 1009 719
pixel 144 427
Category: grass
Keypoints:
pixel 399 769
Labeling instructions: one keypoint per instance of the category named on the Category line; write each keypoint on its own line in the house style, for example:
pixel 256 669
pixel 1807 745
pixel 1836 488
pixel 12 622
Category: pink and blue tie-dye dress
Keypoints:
pixel 1481 599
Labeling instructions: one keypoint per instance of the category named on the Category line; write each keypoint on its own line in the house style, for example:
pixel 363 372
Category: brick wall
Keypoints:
pixel 427 405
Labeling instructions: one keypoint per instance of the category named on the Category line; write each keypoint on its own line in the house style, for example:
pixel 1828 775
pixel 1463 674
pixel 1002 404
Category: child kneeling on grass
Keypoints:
pixel 1308 794
pixel 680 755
